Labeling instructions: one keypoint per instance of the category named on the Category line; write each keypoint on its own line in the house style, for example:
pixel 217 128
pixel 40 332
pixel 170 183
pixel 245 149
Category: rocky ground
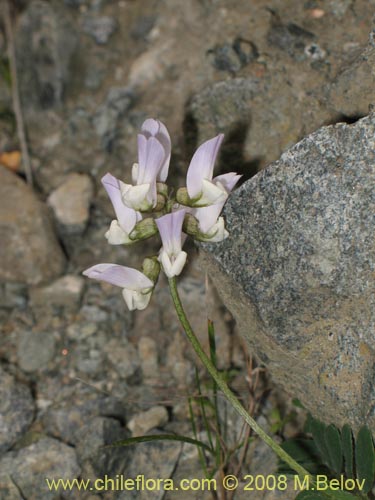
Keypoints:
pixel 77 370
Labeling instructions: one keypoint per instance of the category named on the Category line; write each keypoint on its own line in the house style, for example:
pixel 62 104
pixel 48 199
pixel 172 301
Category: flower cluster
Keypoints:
pixel 144 208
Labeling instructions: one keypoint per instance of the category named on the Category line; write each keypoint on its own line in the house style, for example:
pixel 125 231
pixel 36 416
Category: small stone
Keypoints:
pixel 16 411
pixel 140 424
pixel 148 354
pixel 35 350
pixel 124 358
pixel 315 52
pixel 71 202
pixel 89 362
pixel 99 28
pixel 155 460
pixel 30 466
pixel 13 295
pixel 81 331
pixel 26 234
pixel 66 418
pixel 64 293
pixel 93 436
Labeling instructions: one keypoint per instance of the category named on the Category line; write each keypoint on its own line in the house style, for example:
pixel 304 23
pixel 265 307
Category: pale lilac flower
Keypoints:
pixel 157 129
pixel 154 152
pixel 171 256
pixel 202 188
pixel 127 218
pixel 210 224
pixel 136 287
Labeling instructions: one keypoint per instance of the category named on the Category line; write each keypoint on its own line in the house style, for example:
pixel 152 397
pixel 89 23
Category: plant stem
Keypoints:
pixel 301 471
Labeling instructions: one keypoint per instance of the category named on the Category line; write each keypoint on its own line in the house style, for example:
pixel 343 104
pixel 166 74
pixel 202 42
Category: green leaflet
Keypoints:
pixel 365 458
pixel 334 449
pixel 347 450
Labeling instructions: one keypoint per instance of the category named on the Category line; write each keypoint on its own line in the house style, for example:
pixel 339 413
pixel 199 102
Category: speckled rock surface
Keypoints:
pixel 16 410
pixel 30 466
pixel 297 270
pixel 26 235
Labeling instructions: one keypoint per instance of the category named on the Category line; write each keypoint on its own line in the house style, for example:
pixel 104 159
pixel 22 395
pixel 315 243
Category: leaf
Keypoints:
pixel 158 437
pixel 365 458
pixel 305 452
pixel 347 450
pixel 333 443
pixel 318 431
pixel 339 494
pixel 297 403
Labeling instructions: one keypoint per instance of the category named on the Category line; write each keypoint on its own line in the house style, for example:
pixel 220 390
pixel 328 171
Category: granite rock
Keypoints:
pixel 16 410
pixel 297 270
pixel 26 235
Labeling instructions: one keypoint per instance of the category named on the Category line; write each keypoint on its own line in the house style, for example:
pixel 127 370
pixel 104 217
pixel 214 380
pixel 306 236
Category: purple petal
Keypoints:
pixel 157 129
pixel 150 159
pixel 127 217
pixel 228 180
pixel 170 229
pixel 202 165
pixel 150 127
pixel 124 277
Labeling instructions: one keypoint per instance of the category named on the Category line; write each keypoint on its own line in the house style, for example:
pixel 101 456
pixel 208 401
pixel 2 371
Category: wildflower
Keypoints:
pixel 127 218
pixel 201 188
pixel 172 257
pixel 136 287
pixel 204 224
pixel 212 226
pixel 154 151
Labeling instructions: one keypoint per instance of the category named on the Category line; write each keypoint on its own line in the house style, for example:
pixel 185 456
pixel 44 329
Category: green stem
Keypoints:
pixel 225 389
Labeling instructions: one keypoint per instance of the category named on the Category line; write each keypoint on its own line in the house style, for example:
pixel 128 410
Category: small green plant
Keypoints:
pixel 337 455
pixel 149 207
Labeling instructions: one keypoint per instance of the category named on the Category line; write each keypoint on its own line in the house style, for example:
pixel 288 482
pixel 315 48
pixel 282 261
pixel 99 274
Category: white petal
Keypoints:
pixel 217 233
pixel 172 267
pixel 135 169
pixel 211 194
pixel 116 235
pixel 137 197
pixel 136 300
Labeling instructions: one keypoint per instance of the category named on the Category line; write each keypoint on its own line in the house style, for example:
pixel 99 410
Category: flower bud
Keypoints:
pixel 183 197
pixel 190 225
pixel 151 268
pixel 144 229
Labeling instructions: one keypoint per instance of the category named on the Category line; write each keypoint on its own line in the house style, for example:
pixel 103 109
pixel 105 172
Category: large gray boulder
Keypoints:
pixel 298 270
